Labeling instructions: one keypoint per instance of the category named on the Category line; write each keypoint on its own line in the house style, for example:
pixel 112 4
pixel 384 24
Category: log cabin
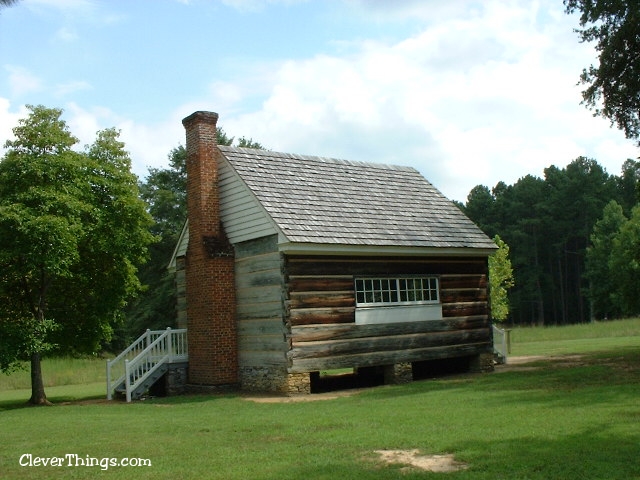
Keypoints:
pixel 291 265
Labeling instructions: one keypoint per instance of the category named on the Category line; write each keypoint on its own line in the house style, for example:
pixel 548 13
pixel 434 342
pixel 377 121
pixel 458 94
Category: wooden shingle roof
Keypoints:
pixel 328 201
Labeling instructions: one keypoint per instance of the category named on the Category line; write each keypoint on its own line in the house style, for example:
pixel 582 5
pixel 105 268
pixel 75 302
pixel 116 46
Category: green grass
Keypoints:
pixel 575 339
pixel 58 371
pixel 573 419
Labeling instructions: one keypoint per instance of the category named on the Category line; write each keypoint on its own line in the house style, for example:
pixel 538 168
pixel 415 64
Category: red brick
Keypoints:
pixel 210 290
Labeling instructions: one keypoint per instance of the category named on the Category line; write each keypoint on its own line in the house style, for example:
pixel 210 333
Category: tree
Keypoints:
pixel 523 227
pixel 249 143
pixel 613 89
pixel 165 193
pixel 480 208
pixel 72 233
pixel 628 185
pixel 7 3
pixel 603 281
pixel 624 262
pixel 575 198
pixel 500 280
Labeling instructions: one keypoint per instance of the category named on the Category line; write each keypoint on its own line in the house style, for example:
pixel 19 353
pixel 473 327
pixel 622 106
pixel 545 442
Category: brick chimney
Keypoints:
pixel 210 285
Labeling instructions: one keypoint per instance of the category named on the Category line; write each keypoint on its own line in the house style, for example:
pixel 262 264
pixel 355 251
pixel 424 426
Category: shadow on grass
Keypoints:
pixel 56 400
pixel 595 372
pixel 592 454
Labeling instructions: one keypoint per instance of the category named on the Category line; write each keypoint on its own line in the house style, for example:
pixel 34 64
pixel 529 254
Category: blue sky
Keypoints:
pixel 468 92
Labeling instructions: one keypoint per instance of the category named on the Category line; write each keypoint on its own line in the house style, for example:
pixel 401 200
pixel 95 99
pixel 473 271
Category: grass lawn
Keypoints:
pixel 560 418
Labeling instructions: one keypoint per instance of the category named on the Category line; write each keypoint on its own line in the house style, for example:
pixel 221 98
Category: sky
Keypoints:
pixel 467 92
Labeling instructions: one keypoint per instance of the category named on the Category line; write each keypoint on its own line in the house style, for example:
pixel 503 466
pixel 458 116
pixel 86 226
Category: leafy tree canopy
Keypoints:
pixel 73 231
pixel 500 280
pixel 548 224
pixel 603 280
pixel 613 86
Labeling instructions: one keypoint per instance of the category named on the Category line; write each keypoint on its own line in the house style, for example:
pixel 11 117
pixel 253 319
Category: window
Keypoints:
pixel 396 291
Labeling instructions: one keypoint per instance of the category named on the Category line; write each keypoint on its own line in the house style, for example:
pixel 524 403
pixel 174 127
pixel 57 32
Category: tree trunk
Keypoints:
pixel 38 396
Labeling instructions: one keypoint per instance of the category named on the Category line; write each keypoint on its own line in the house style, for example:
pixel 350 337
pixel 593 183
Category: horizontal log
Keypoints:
pixel 263 278
pixel 257 247
pixel 263 343
pixel 382 344
pixel 256 311
pixel 321 299
pixel 463 295
pixel 385 358
pixel 465 309
pixel 262 359
pixel 314 283
pixel 269 293
pixel 258 263
pixel 463 281
pixel 310 316
pixel 262 326
pixel 309 333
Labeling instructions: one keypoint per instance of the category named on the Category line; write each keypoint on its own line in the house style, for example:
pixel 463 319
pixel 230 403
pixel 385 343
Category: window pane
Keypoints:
pixel 396 290
pixel 433 285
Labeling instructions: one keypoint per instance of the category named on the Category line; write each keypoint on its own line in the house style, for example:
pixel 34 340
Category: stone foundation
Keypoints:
pixel 173 382
pixel 274 380
pixel 176 379
pixel 298 383
pixel 398 373
pixel 264 379
pixel 482 363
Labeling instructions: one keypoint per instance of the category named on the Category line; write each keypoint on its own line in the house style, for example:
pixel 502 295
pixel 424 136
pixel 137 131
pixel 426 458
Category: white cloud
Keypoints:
pixel 60 4
pixel 71 87
pixel 257 5
pixel 148 145
pixel 22 81
pixel 476 98
pixel 67 35
pixel 8 120
pixel 77 12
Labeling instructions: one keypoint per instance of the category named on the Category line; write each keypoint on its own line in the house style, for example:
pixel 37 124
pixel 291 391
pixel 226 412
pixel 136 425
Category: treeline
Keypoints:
pixel 573 259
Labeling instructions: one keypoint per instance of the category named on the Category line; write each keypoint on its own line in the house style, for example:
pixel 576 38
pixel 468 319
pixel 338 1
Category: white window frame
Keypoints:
pixel 396 291
pixel 378 305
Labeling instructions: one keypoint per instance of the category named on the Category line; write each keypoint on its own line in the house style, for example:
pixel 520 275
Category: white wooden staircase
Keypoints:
pixel 145 361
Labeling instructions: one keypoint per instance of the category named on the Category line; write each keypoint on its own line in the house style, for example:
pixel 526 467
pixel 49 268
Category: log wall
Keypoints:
pixel 262 340
pixel 320 313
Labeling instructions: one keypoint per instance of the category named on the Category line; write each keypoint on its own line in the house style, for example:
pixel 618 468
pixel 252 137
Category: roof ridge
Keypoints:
pixel 317 158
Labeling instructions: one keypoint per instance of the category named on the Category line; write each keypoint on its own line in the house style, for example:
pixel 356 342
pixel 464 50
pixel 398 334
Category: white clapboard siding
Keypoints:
pixel 242 215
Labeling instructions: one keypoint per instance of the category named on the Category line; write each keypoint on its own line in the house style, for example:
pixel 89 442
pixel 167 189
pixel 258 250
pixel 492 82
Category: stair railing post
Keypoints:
pixel 504 345
pixel 170 344
pixel 108 380
pixel 127 380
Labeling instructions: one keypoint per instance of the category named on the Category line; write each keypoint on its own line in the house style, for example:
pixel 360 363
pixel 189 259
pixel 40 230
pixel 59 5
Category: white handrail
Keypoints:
pixel 144 356
pixel 501 347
